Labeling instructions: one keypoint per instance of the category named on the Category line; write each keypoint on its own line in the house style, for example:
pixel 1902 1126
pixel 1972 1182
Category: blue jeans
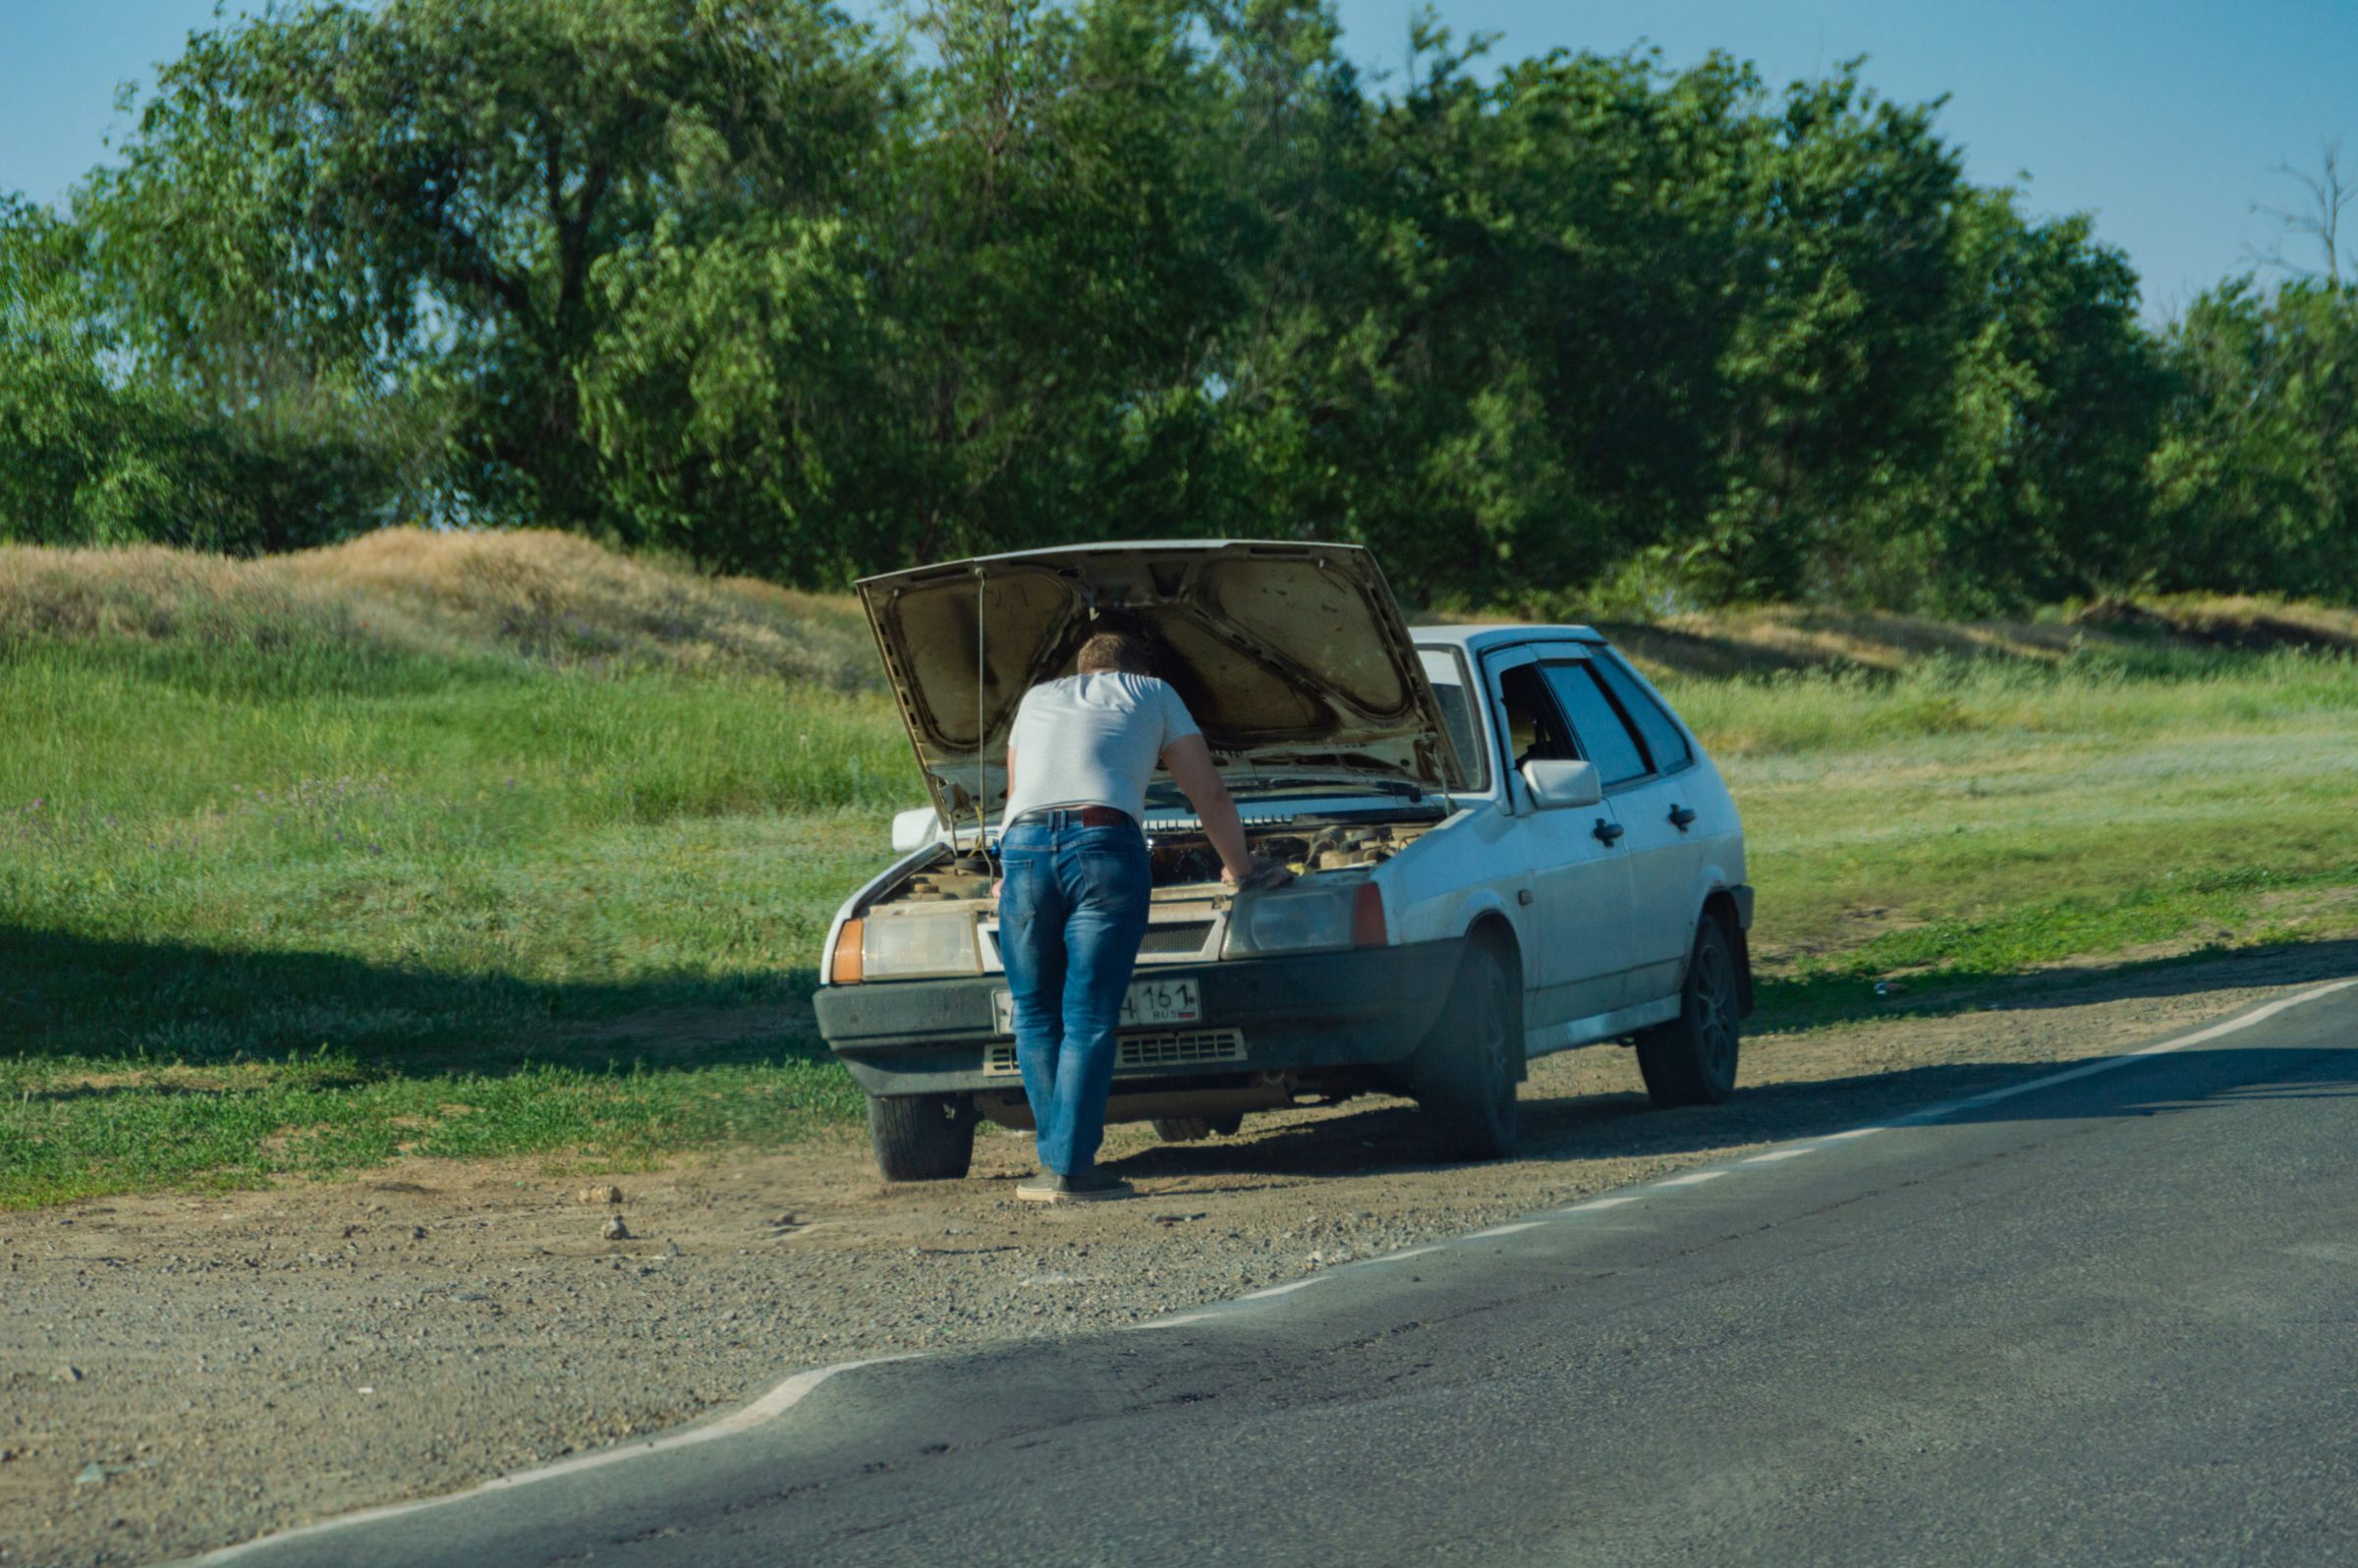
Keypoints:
pixel 1072 912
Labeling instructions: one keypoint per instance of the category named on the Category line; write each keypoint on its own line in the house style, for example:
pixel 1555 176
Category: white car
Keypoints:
pixel 1505 844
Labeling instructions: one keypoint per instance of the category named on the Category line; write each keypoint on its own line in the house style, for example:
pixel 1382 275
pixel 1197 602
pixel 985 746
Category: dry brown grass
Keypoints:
pixel 533 593
pixel 557 597
pixel 1764 640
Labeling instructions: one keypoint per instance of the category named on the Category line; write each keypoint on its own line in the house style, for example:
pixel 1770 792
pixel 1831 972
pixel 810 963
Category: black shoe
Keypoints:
pixel 1092 1185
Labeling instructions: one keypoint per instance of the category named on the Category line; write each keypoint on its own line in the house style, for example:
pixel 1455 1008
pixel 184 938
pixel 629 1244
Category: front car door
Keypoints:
pixel 1579 881
pixel 1664 856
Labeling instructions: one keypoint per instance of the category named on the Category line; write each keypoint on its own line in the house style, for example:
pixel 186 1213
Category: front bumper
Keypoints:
pixel 1364 1008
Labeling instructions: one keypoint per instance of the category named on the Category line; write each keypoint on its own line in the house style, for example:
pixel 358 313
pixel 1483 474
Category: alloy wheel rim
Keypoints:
pixel 1714 1020
pixel 1494 1034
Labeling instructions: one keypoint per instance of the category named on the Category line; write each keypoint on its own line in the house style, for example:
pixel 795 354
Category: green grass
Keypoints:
pixel 276 898
pixel 1964 823
pixel 296 907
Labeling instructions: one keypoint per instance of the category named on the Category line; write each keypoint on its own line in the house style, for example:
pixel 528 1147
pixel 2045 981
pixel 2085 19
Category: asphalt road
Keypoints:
pixel 2114 1320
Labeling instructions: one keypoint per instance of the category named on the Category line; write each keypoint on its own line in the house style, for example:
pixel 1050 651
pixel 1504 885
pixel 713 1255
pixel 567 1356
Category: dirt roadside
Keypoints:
pixel 176 1372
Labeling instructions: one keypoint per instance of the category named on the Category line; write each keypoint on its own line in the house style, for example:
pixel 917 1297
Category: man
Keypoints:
pixel 1075 883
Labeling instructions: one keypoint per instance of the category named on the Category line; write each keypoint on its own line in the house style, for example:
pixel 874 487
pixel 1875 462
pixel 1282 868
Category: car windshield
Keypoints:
pixel 1445 668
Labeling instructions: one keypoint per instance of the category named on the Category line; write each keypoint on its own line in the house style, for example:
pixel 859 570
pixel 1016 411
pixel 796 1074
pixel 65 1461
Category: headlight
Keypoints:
pixel 905 946
pixel 1306 916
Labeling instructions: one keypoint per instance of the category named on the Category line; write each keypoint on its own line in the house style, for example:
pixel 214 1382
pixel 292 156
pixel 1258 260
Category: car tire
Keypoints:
pixel 1692 1059
pixel 1463 1073
pixel 923 1138
pixel 1196 1129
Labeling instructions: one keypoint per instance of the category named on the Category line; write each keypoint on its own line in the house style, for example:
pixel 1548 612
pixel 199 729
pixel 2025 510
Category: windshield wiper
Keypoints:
pixel 1263 784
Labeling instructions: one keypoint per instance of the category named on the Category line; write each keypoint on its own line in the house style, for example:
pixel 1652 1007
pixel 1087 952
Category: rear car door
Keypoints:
pixel 1578 881
pixel 1662 854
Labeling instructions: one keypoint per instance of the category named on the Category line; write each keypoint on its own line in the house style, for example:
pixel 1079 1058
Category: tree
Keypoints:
pixel 2256 471
pixel 93 451
pixel 414 203
pixel 2038 488
pixel 2320 220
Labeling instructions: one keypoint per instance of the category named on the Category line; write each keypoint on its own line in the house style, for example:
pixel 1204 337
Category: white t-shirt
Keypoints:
pixel 1092 740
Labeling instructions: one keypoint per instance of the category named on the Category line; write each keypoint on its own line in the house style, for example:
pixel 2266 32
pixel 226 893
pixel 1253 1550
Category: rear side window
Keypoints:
pixel 1603 738
pixel 1664 741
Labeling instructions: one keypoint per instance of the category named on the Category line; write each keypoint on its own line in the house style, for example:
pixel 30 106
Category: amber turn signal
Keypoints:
pixel 1367 918
pixel 845 969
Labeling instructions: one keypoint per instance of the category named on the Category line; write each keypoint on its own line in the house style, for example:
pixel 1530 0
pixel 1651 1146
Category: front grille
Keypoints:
pixel 1140 1053
pixel 1176 937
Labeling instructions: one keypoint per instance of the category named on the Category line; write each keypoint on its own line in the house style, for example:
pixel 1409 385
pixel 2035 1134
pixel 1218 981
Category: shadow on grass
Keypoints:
pixel 1822 1000
pixel 146 1005
pixel 333 1021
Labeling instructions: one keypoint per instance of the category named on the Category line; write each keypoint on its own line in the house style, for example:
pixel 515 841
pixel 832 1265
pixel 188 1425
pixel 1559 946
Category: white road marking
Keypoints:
pixel 1505 1230
pixel 776 1403
pixel 1933 1113
pixel 1399 1257
pixel 1180 1321
pixel 786 1396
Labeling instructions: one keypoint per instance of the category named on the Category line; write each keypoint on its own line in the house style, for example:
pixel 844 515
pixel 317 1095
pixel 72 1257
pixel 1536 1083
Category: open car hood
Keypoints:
pixel 1292 657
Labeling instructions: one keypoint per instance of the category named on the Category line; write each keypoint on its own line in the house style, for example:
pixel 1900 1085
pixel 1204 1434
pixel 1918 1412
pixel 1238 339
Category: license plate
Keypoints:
pixel 1149 1004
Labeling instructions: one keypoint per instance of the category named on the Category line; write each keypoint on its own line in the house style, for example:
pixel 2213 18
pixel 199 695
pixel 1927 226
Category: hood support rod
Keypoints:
pixel 981 757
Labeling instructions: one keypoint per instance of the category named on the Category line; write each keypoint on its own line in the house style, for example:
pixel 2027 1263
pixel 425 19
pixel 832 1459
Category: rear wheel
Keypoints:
pixel 923 1138
pixel 1463 1075
pixel 1692 1059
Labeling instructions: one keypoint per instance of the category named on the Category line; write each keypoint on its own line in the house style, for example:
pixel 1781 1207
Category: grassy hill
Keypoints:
pixel 535 596
pixel 504 843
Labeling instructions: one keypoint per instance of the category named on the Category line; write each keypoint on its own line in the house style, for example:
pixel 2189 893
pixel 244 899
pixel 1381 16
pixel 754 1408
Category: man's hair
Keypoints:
pixel 1119 652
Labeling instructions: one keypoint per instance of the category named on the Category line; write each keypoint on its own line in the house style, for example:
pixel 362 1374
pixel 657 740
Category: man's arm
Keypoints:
pixel 1189 760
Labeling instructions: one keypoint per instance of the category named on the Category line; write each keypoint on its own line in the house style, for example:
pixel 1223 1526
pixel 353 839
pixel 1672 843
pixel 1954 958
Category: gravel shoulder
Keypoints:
pixel 180 1371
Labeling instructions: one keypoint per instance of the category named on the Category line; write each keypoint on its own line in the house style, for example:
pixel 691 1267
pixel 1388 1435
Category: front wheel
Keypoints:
pixel 1463 1075
pixel 923 1138
pixel 1692 1059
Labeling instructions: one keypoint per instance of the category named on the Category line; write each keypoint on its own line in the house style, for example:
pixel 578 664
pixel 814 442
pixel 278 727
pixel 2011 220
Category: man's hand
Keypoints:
pixel 1263 872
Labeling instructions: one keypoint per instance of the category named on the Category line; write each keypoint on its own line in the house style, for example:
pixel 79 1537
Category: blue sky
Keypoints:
pixel 2165 118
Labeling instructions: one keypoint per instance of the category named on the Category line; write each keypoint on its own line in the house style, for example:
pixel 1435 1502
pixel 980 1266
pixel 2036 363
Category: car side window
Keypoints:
pixel 1533 728
pixel 1666 743
pixel 1604 738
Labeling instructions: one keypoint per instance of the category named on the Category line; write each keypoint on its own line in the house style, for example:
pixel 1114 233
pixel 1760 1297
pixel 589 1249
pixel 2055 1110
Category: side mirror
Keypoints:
pixel 1555 783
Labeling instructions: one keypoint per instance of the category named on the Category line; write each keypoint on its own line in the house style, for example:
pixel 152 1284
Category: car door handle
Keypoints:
pixel 1610 833
pixel 1682 818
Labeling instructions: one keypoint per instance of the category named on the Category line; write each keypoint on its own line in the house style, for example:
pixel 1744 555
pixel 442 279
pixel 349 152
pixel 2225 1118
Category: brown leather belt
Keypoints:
pixel 1087 816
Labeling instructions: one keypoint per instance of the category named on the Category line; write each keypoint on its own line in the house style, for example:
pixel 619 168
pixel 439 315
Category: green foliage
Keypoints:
pixel 2258 472
pixel 745 281
pixel 420 198
pixel 93 453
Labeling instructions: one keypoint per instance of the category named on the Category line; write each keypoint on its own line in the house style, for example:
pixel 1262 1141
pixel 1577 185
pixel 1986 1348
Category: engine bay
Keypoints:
pixel 1183 858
